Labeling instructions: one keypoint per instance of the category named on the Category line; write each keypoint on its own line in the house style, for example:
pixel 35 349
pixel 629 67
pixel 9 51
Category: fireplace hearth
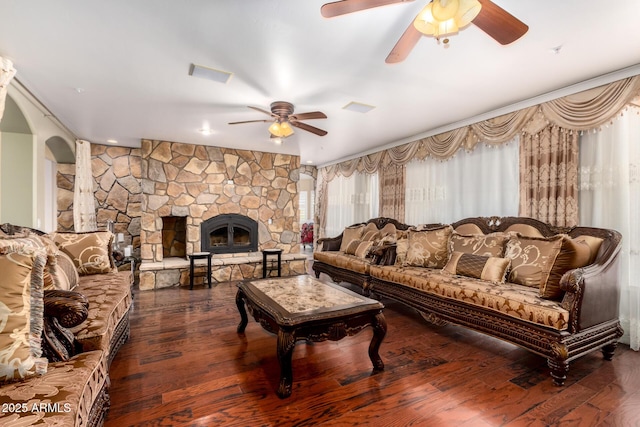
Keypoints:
pixel 229 233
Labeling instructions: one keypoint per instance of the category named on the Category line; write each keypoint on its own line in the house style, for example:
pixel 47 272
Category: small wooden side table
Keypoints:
pixel 265 254
pixel 199 255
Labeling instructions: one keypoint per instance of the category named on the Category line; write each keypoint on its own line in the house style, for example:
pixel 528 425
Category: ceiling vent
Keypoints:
pixel 209 73
pixel 358 107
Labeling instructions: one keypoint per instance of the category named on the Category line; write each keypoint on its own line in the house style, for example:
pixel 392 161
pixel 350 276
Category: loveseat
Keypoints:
pixel 66 307
pixel 550 290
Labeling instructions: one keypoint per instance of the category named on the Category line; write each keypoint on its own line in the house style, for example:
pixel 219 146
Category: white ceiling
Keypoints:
pixel 118 69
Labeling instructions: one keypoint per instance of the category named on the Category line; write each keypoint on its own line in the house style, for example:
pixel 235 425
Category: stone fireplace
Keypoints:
pixel 230 233
pixel 201 183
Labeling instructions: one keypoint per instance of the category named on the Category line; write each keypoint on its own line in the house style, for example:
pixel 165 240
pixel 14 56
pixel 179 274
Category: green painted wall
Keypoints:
pixel 16 178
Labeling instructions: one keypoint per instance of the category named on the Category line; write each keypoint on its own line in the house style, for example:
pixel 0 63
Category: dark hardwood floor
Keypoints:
pixel 185 365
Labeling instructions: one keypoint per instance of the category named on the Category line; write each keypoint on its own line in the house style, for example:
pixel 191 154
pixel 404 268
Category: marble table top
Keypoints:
pixel 299 294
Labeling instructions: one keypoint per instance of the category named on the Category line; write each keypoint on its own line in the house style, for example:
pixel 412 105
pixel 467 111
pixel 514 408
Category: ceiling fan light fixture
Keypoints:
pixel 445 17
pixel 280 129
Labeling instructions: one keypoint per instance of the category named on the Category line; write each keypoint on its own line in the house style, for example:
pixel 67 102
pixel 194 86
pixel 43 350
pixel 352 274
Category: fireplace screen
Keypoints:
pixel 228 234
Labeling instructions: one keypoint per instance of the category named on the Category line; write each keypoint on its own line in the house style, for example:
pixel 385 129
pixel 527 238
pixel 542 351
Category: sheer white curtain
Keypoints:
pixel 483 182
pixel 351 200
pixel 609 197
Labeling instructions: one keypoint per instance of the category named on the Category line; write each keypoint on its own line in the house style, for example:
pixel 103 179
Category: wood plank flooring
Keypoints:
pixel 185 365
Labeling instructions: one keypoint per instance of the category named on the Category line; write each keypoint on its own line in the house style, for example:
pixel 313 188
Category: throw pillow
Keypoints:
pixel 594 246
pixel 359 248
pixel 66 272
pixel 371 235
pixel 573 254
pixel 388 230
pixel 349 234
pixel 428 248
pixel 90 251
pixel 32 240
pixel 21 312
pixel 489 268
pixel 491 245
pixel 402 246
pixel 532 258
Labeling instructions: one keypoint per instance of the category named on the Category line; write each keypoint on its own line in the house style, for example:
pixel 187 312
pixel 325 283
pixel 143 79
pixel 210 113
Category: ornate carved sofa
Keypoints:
pixel 550 290
pixel 61 376
pixel 331 258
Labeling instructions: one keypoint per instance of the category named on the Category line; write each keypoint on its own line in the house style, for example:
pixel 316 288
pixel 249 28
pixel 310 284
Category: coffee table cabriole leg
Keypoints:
pixel 243 313
pixel 379 331
pixel 286 343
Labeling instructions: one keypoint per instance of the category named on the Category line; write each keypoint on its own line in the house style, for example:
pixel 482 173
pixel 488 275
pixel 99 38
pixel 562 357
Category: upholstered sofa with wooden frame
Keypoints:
pixel 512 278
pixel 77 333
pixel 345 267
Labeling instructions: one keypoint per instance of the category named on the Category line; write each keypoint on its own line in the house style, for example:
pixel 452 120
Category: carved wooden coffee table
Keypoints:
pixel 304 308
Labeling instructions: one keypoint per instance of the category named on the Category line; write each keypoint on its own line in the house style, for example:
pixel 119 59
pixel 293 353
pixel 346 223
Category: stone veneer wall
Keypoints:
pixel 193 181
pixel 117 191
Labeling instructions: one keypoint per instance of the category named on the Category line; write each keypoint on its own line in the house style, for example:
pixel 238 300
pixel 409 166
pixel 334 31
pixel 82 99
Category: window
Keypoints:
pixel 483 182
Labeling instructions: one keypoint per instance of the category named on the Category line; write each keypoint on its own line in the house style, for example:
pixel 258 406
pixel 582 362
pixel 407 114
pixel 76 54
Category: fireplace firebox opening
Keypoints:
pixel 174 236
pixel 229 233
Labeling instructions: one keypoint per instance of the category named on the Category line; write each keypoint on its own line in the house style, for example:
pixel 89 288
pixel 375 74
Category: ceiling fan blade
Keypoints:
pixel 343 7
pixel 404 46
pixel 308 128
pixel 499 24
pixel 250 121
pixel 308 116
pixel 268 113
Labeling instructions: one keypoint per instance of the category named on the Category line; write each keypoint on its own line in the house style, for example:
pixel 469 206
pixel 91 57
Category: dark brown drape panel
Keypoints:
pixel 549 176
pixel 391 180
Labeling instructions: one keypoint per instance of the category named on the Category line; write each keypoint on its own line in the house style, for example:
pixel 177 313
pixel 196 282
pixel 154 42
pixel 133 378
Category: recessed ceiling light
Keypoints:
pixel 277 140
pixel 309 161
pixel 209 73
pixel 206 131
pixel 358 107
pixel 112 141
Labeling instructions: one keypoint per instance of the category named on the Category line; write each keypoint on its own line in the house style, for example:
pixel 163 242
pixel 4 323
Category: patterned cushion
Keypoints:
pixel 370 235
pixel 109 298
pixel 21 311
pixel 354 263
pixel 469 228
pixel 66 272
pixel 402 246
pixel 359 248
pixel 514 300
pixel 342 260
pixel 478 244
pixel 488 268
pixel 524 230
pixel 327 257
pixel 532 258
pixel 90 251
pixel 428 248
pixel 349 234
pixel 573 254
pixel 73 386
pixel 388 230
pixel 30 239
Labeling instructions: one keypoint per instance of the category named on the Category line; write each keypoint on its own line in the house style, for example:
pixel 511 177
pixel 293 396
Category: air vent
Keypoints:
pixel 358 107
pixel 209 73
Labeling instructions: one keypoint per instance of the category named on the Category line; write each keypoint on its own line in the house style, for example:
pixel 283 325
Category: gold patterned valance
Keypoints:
pixel 582 111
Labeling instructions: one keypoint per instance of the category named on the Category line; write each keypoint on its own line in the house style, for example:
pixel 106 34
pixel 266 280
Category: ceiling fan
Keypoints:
pixel 283 118
pixel 440 18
